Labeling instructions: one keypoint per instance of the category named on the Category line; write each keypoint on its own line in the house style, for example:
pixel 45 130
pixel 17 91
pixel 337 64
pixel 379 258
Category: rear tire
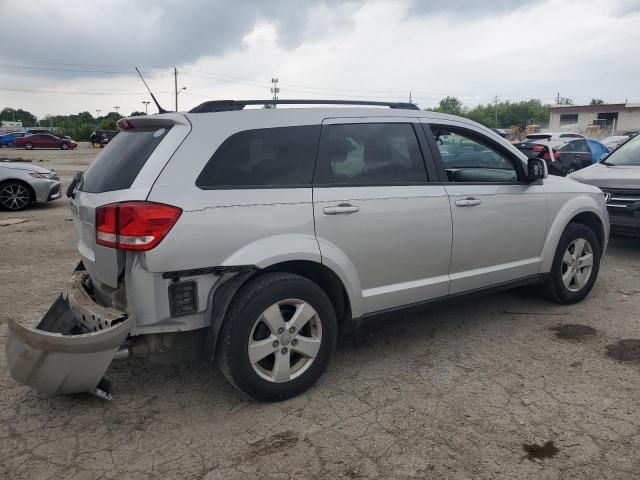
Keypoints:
pixel 278 336
pixel 11 145
pixel 575 265
pixel 572 168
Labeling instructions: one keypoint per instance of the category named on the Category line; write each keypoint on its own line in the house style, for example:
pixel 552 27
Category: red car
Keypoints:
pixel 43 140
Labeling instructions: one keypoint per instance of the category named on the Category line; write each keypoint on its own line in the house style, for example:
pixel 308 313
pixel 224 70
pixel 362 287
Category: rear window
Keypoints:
pixel 121 161
pixel 266 157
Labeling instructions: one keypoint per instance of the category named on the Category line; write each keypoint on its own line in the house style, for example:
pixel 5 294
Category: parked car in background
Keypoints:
pixel 41 130
pixel 563 156
pixel 9 139
pixel 552 137
pixel 100 138
pixel 614 141
pixel 265 235
pixel 42 140
pixel 618 176
pixel 22 185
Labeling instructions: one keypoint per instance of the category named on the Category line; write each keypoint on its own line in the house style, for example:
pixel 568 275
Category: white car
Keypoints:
pixel 23 184
pixel 264 234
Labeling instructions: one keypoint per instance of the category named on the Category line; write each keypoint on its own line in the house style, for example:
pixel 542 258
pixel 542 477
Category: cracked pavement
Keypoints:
pixel 453 392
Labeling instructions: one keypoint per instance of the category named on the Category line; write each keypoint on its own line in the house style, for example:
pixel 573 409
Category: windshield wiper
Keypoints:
pixel 608 164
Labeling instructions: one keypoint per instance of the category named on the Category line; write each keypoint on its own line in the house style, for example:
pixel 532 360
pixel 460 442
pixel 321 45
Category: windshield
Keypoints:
pixel 627 154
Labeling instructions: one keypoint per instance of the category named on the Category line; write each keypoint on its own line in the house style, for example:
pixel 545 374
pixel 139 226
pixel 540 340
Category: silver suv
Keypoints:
pixel 258 236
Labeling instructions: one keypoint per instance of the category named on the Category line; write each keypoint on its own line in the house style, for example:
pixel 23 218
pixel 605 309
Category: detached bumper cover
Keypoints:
pixel 70 350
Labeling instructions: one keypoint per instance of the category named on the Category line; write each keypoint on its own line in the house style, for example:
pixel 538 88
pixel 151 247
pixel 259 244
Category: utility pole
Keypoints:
pixel 275 90
pixel 175 84
pixel 146 105
pixel 558 99
pixel 410 99
pixel 495 102
pixel 98 117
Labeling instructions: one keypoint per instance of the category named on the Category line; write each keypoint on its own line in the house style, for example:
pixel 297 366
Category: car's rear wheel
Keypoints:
pixel 278 336
pixel 11 144
pixel 64 146
pixel 28 146
pixel 15 195
pixel 575 266
pixel 572 168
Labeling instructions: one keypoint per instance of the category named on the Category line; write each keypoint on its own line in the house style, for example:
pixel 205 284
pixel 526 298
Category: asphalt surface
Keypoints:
pixel 503 387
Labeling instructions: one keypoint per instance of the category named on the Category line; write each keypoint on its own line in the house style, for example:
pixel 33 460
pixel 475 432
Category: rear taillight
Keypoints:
pixel 134 225
pixel 538 148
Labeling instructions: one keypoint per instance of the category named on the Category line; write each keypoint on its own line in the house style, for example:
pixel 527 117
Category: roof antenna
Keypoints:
pixel 160 109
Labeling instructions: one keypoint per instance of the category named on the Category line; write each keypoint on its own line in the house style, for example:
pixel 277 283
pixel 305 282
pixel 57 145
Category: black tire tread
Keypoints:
pixel 553 289
pixel 242 300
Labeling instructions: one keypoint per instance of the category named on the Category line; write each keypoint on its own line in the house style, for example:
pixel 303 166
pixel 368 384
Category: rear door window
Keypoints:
pixel 369 154
pixel 263 158
pixel 120 162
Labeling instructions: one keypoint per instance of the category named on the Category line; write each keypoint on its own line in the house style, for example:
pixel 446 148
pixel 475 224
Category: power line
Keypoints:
pixel 56 92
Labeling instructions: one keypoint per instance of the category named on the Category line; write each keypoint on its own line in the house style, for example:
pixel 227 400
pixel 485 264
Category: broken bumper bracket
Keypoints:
pixel 71 348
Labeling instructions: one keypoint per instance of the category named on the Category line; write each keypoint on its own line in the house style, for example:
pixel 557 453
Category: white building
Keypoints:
pixel 9 124
pixel 612 117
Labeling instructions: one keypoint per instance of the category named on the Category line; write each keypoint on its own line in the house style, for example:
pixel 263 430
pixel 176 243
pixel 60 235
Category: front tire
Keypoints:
pixel 278 336
pixel 15 195
pixel 28 146
pixel 64 146
pixel 575 265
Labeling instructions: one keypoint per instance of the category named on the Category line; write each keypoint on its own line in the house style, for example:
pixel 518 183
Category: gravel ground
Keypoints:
pixel 506 386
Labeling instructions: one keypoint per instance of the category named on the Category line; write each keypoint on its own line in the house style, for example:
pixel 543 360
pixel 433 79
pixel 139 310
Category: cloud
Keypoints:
pixel 151 32
pixel 467 8
pixel 366 50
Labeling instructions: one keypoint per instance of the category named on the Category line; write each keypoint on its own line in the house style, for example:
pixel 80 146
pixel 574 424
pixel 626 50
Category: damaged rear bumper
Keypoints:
pixel 71 348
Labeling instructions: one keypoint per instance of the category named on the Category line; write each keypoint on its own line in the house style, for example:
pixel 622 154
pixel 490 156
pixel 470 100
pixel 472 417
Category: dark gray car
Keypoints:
pixel 618 176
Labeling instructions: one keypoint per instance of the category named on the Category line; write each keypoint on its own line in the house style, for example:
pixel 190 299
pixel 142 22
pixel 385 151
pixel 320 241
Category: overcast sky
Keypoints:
pixel 74 55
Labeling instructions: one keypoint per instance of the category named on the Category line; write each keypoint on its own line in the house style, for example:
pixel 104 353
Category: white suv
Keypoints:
pixel 263 234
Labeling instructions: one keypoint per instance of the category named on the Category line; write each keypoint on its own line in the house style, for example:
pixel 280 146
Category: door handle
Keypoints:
pixel 468 202
pixel 578 155
pixel 343 208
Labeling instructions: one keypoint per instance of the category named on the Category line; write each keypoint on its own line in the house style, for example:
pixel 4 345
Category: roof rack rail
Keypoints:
pixel 230 105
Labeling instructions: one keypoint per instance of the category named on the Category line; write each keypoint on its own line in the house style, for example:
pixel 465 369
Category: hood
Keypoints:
pixel 24 166
pixel 602 176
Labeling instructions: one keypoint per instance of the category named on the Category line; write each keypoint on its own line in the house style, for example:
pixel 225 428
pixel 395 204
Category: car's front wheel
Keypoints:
pixel 15 195
pixel 575 265
pixel 64 146
pixel 278 336
pixel 28 146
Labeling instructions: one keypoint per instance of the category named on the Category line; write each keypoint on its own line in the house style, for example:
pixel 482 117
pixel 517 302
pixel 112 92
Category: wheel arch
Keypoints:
pixel 587 214
pixel 323 276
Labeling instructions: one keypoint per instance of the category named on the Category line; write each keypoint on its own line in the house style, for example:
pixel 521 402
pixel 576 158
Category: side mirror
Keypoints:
pixel 535 169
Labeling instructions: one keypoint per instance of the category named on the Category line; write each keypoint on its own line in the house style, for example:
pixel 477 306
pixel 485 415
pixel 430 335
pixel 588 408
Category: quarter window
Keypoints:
pixel 369 154
pixel 467 158
pixel 267 157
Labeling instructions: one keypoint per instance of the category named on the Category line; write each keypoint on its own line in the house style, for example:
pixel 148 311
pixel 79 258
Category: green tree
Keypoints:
pixel 11 115
pixel 596 101
pixel 450 105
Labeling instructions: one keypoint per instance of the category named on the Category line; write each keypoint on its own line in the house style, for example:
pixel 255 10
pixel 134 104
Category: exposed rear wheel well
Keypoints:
pixel 322 276
pixel 592 221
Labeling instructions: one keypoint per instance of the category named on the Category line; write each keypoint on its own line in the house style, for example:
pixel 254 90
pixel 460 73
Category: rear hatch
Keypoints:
pixel 125 170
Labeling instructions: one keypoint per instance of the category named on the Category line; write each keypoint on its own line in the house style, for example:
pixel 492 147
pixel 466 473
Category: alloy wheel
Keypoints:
pixel 577 264
pixel 14 196
pixel 285 340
